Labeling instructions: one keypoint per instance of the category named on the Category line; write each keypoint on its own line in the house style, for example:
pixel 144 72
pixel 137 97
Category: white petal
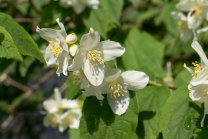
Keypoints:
pixel 69 103
pixel 74 49
pixel 178 16
pixel 78 60
pixel 193 20
pixel 63 43
pixel 75 124
pixel 62 31
pixel 93 4
pixel 110 50
pixel 51 105
pixel 134 80
pixel 50 57
pixel 57 95
pixel 94 74
pixel 47 34
pixel 189 70
pixel 62 62
pixel 111 74
pixel 78 7
pixel 196 46
pixel 119 105
pixel 205 112
pixel 186 5
pixel 186 34
pixel 71 38
pixel 93 91
pixel 201 33
pixel 90 40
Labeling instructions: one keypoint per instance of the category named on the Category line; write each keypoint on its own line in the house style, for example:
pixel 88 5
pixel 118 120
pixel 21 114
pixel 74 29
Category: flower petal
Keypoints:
pixel 111 74
pixel 189 70
pixel 62 31
pixel 47 34
pixel 69 103
pixel 62 62
pixel 186 5
pixel 78 60
pixel 196 46
pixel 133 80
pixel 178 16
pixel 93 91
pixel 119 105
pixel 193 20
pixel 110 50
pixel 63 43
pixel 57 95
pixel 185 34
pixel 90 40
pixel 94 74
pixel 49 56
pixel 201 33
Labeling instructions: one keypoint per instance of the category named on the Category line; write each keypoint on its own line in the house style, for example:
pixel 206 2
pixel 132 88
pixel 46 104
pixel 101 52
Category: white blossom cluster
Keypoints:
pixel 61 112
pixel 197 13
pixel 86 65
pixel 79 5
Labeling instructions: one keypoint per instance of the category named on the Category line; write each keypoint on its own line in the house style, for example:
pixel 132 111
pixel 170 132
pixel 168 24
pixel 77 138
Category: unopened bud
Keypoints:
pixel 74 50
pixel 71 38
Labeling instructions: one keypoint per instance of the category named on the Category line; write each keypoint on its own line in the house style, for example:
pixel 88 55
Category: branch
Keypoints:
pixel 12 3
pixel 26 20
pixel 156 84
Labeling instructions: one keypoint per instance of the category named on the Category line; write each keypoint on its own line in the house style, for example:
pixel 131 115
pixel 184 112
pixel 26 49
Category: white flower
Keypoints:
pixel 185 32
pixel 70 119
pixel 168 79
pixel 57 104
pixel 197 11
pixel 80 5
pixel 92 54
pixel 117 84
pixel 58 50
pixel 202 33
pixel 74 49
pixel 199 84
pixel 51 120
pixel 71 38
pixel 78 77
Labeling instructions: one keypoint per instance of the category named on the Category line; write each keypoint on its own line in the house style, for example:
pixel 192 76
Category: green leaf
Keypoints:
pixel 72 91
pixel 98 120
pixel 135 2
pixel 23 67
pixel 74 134
pixel 143 50
pixel 8 65
pixel 175 113
pixel 98 20
pixel 115 13
pixel 182 78
pixel 7 46
pixel 165 17
pixel 151 100
pixel 20 37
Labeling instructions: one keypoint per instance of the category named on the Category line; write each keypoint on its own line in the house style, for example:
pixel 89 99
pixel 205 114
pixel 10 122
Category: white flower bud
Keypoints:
pixel 71 38
pixel 74 50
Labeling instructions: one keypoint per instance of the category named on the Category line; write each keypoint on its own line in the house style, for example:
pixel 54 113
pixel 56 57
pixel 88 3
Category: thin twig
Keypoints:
pixel 13 3
pixel 26 20
pixel 157 84
pixel 16 84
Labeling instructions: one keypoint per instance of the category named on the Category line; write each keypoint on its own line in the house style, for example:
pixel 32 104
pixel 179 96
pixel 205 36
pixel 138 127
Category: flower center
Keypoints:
pixel 196 11
pixel 182 25
pixel 115 89
pixel 55 48
pixel 94 57
pixel 197 69
pixel 75 77
pixel 70 119
pixel 53 120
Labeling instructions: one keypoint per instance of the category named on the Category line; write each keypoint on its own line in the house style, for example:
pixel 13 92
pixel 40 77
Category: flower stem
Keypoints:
pixel 156 84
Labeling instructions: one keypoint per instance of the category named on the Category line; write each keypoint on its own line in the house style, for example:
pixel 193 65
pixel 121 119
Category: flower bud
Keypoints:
pixel 71 38
pixel 74 49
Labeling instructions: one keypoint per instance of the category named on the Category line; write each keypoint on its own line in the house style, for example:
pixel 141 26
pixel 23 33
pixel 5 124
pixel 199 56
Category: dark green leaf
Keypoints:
pixel 7 47
pixel 99 122
pixel 72 91
pixel 21 38
pixel 151 100
pixel 23 67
